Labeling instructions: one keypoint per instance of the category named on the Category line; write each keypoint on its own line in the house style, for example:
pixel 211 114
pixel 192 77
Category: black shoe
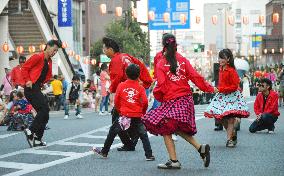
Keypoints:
pixel 150 158
pixel 29 137
pixel 98 151
pixel 125 149
pixel 218 128
pixel 204 151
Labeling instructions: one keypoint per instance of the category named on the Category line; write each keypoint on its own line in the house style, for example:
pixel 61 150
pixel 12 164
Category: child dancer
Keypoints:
pixel 228 103
pixel 131 103
pixel 176 114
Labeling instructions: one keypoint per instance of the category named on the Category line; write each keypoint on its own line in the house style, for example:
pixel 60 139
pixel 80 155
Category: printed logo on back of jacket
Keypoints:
pixel 130 94
pixel 180 72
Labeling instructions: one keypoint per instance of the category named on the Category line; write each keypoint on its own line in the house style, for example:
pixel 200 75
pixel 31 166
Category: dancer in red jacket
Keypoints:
pixel 36 71
pixel 265 108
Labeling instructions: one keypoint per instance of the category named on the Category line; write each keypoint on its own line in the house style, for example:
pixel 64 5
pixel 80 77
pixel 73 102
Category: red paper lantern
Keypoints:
pixel 20 49
pixel 214 19
pixel 5 47
pixel 118 11
pixel 134 13
pixel 32 49
pixel 103 9
pixel 64 45
pixel 197 19
pixel 151 15
pixel 166 17
pixel 231 20
pixel 71 53
pixel 257 74
pixel 245 20
pixel 261 19
pixel 182 19
pixel 42 47
pixel 77 57
pixel 275 18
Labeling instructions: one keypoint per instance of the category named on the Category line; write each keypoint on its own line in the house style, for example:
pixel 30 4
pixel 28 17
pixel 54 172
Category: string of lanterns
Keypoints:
pixel 32 49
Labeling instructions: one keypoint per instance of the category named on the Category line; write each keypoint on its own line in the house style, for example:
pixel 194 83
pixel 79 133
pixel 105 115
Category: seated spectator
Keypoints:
pixel 265 108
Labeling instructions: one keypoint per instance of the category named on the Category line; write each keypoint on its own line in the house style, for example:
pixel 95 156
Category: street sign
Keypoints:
pixel 64 13
pixel 176 9
pixel 256 40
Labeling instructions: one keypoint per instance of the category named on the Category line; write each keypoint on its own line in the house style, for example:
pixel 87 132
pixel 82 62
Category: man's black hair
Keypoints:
pixel 51 43
pixel 22 59
pixel 133 71
pixel 267 81
pixel 76 78
pixel 110 43
pixel 55 76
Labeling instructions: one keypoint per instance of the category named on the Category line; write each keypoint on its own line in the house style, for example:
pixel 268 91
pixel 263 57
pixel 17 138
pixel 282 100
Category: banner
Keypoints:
pixel 64 13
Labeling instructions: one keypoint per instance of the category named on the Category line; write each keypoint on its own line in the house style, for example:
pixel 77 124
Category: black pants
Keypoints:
pixel 123 135
pixel 138 130
pixel 266 121
pixel 40 104
pixel 57 102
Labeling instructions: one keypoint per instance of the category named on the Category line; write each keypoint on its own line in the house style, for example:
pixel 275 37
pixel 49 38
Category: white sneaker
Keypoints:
pixel 271 132
pixel 174 137
pixel 79 116
pixel 102 113
pixel 66 117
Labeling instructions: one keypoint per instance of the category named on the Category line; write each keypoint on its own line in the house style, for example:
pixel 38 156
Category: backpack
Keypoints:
pixel 74 92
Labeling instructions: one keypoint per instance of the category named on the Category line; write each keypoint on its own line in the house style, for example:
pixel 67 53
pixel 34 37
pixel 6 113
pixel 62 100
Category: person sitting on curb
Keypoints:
pixel 265 108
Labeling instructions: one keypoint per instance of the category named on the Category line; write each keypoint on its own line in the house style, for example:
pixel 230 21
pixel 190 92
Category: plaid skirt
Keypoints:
pixel 227 105
pixel 172 116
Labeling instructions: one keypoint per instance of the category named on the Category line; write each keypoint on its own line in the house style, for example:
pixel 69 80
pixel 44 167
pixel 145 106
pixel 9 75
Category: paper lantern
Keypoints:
pixel 166 17
pixel 272 50
pixel 197 19
pixel 71 53
pixel 214 19
pixel 245 20
pixel 64 45
pixel 182 19
pixel 42 47
pixel 261 19
pixel 231 20
pixel 151 15
pixel 93 62
pixel 86 61
pixel 103 9
pixel 32 49
pixel 5 47
pixel 77 57
pixel 20 49
pixel 134 13
pixel 275 18
pixel 118 11
pixel 281 50
pixel 265 51
pixel 257 74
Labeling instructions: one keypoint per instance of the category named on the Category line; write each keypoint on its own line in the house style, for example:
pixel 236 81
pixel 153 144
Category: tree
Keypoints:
pixel 132 40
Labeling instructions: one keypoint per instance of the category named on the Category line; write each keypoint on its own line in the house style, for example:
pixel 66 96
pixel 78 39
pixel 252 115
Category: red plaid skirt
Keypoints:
pixel 172 116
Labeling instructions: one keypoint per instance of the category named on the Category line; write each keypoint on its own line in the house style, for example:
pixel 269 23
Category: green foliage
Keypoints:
pixel 132 40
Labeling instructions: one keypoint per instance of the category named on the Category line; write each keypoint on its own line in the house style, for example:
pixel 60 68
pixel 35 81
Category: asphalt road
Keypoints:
pixel 70 141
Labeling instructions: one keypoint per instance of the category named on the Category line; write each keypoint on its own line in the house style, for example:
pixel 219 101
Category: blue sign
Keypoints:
pixel 256 40
pixel 64 13
pixel 175 8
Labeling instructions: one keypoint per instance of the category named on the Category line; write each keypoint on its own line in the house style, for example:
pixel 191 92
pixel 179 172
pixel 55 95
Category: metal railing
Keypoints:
pixel 52 27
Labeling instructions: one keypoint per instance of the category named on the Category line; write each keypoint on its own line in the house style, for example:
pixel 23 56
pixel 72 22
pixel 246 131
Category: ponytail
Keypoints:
pixel 170 49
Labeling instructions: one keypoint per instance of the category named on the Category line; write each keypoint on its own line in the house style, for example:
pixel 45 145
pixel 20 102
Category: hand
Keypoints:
pixel 258 117
pixel 29 84
pixel 216 90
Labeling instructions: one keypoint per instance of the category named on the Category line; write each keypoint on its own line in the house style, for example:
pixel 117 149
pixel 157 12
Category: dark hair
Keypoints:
pixel 170 46
pixel 20 94
pixel 103 66
pixel 98 72
pixel 133 71
pixel 11 97
pixel 51 43
pixel 55 76
pixel 22 59
pixel 227 54
pixel 110 43
pixel 267 81
pixel 76 78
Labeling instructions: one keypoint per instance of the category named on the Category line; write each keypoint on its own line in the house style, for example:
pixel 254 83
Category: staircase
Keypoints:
pixel 23 28
pixel 30 24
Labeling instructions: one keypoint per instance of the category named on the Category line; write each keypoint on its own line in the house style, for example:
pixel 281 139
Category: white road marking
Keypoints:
pixel 8 135
pixel 47 152
pixel 14 165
